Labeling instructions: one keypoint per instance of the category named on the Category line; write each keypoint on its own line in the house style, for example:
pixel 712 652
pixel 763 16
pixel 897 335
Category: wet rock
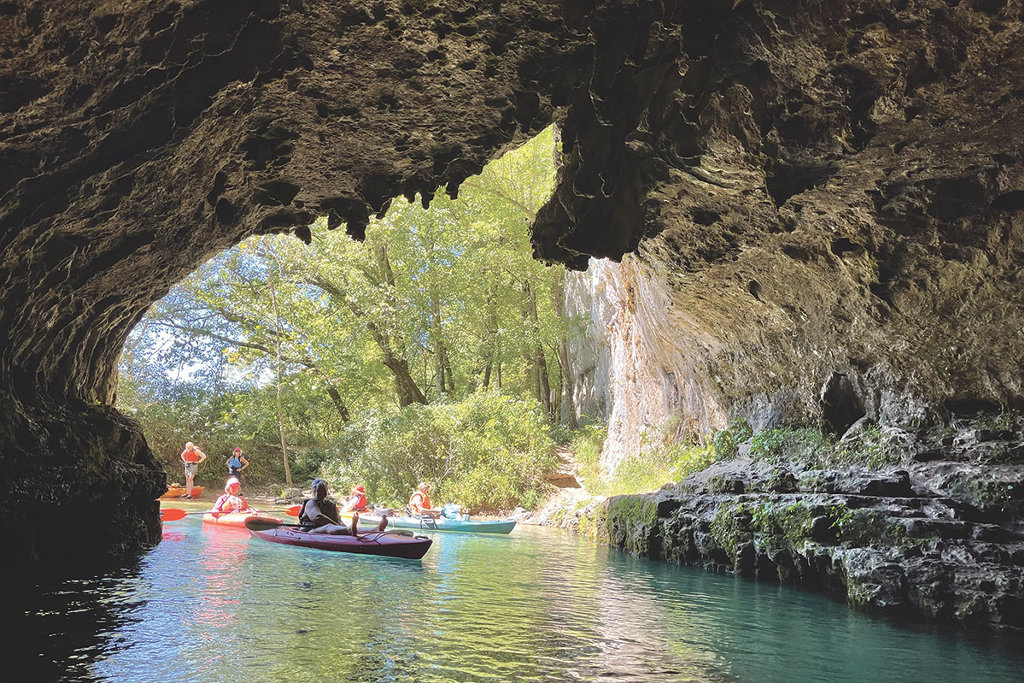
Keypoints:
pixel 889 552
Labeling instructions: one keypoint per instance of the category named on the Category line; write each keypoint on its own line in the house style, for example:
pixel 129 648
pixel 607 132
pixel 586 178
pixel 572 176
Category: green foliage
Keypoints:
pixel 812 449
pixel 1004 420
pixel 862 527
pixel 322 343
pixel 488 452
pixel 783 444
pixel 586 445
pixel 661 460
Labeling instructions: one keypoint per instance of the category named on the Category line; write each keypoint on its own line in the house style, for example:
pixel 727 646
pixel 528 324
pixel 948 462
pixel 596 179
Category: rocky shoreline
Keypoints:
pixel 938 536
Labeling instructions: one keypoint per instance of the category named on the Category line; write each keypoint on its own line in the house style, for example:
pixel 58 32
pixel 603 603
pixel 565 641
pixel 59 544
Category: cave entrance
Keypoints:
pixel 315 356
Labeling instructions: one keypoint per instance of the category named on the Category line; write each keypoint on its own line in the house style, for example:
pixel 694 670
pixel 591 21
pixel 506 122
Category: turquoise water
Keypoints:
pixel 538 605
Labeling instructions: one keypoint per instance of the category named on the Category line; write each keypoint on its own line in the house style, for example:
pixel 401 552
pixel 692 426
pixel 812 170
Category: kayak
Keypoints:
pixel 498 526
pixel 179 491
pixel 369 543
pixel 235 520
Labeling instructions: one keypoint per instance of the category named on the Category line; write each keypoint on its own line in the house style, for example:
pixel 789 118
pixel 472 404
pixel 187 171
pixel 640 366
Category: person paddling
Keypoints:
pixel 320 515
pixel 357 501
pixel 237 463
pixel 419 502
pixel 191 457
pixel 232 500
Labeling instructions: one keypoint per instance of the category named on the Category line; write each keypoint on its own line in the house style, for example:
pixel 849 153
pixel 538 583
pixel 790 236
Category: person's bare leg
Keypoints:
pixel 355 522
pixel 188 485
pixel 383 523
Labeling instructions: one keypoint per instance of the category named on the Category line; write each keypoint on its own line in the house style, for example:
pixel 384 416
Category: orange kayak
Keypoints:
pixel 235 519
pixel 179 491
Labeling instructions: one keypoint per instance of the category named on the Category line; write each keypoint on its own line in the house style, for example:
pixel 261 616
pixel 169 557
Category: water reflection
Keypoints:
pixel 536 606
pixel 56 625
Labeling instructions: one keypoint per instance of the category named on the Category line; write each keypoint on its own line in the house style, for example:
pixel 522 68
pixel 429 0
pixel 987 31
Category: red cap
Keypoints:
pixel 359 488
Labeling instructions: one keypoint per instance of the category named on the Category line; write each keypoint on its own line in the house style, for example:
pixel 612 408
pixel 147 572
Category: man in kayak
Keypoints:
pixel 419 502
pixel 320 514
pixel 237 463
pixel 232 500
pixel 191 457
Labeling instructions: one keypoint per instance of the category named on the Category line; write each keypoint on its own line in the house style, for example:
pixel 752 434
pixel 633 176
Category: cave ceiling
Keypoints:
pixel 805 160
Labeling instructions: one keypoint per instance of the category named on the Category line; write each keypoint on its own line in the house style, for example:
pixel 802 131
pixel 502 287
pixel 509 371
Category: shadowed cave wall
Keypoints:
pixel 821 188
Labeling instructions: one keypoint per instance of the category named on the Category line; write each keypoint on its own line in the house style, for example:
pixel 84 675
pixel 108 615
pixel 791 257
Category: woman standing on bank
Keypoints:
pixel 237 463
pixel 191 457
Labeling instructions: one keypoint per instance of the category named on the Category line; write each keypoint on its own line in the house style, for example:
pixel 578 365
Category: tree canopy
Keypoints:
pixel 284 347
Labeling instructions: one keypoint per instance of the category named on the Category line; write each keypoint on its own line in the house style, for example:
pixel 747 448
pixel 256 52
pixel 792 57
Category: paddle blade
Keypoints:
pixel 172 514
pixel 294 510
pixel 261 524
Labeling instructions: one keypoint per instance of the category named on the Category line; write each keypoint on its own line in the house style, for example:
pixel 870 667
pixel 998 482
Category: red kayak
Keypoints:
pixel 369 543
pixel 236 520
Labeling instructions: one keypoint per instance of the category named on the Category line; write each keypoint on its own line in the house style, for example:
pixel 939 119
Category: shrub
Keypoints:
pixel 488 452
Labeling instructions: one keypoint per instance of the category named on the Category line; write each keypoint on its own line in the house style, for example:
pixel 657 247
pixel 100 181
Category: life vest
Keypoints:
pixel 326 507
pixel 360 502
pixel 231 503
pixel 419 501
pixel 190 456
pixel 234 463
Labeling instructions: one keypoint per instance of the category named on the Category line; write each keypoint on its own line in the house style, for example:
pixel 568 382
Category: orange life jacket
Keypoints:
pixel 422 504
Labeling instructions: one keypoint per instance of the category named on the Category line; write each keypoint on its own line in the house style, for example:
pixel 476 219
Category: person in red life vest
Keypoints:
pixel 357 501
pixel 191 457
pixel 232 500
pixel 419 502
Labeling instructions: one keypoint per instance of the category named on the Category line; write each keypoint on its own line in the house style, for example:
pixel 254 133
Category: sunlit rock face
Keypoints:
pixel 827 205
pixel 822 189
pixel 639 361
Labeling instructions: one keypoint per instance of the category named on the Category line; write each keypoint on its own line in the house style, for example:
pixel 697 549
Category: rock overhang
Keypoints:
pixel 846 173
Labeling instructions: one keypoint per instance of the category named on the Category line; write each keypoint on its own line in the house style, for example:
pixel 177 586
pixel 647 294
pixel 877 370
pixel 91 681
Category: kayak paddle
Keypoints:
pixel 174 514
pixel 263 524
pixel 258 524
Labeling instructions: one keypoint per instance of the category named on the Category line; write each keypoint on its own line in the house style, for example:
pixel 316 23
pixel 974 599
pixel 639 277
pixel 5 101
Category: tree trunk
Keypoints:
pixel 541 382
pixel 338 403
pixel 406 388
pixel 280 366
pixel 567 412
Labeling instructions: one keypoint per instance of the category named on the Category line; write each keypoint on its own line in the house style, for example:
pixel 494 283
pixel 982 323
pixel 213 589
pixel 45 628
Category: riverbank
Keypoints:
pixel 932 531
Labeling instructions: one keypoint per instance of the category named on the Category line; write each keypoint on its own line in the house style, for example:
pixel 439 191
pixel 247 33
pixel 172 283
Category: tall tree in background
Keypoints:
pixel 434 304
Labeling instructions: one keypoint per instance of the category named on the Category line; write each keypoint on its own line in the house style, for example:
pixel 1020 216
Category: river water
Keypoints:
pixel 537 605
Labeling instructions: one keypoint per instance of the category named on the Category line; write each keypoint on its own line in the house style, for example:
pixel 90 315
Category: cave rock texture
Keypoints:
pixel 829 194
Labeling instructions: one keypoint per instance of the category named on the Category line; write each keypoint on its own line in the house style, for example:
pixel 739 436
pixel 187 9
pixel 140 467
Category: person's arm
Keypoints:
pixel 218 506
pixel 245 463
pixel 202 456
pixel 182 456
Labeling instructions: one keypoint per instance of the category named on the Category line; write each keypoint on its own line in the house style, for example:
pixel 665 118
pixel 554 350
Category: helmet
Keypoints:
pixel 237 449
pixel 232 482
pixel 359 487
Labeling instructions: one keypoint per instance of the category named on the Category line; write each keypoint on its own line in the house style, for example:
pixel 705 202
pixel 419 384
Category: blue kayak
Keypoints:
pixel 499 526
